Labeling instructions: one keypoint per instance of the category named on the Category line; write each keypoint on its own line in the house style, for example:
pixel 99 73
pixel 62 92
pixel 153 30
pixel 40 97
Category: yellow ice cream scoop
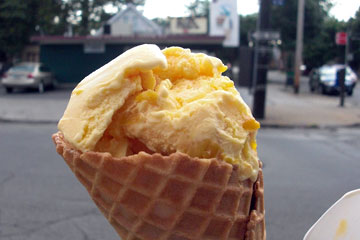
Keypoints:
pixel 96 98
pixel 163 101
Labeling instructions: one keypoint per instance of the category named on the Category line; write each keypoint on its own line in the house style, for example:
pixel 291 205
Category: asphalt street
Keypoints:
pixel 305 172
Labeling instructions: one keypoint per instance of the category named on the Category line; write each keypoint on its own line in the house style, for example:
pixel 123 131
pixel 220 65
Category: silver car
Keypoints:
pixel 28 75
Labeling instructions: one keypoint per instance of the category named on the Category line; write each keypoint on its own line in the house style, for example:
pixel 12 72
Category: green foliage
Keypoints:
pixel 86 15
pixel 284 19
pixel 247 25
pixel 199 8
pixel 13 25
pixel 319 31
pixel 19 20
pixel 322 48
pixel 354 29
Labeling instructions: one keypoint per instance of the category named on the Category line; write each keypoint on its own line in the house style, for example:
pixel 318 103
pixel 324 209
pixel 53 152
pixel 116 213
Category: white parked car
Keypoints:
pixel 325 79
pixel 28 75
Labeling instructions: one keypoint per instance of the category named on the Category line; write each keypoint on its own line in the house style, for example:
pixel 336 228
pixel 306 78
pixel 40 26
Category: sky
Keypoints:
pixel 342 10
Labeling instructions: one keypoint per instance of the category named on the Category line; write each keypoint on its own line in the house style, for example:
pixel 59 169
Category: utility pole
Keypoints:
pixel 263 56
pixel 299 44
pixel 343 72
pixel 255 60
pixel 342 39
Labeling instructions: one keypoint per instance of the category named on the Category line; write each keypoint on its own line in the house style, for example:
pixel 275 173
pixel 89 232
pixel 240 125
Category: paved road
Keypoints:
pixel 29 105
pixel 305 172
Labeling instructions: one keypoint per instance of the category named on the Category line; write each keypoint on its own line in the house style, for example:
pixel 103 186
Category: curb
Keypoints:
pixel 313 126
pixel 263 125
pixel 26 121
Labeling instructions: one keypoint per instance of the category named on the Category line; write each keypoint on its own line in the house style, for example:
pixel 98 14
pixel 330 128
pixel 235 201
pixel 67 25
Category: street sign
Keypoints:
pixel 266 35
pixel 341 38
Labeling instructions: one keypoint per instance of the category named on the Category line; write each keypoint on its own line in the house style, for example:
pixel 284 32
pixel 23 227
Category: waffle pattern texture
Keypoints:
pixel 176 197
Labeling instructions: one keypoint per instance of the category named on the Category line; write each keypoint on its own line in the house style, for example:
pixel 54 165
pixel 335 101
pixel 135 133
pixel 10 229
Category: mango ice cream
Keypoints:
pixel 163 102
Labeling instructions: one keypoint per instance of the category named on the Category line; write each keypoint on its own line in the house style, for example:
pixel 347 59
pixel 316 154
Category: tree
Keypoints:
pixel 86 15
pixel 13 26
pixel 284 19
pixel 199 8
pixel 354 28
pixel 247 26
pixel 21 19
pixel 322 48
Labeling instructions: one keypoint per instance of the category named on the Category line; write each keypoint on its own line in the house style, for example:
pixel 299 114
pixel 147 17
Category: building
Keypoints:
pixel 188 25
pixel 30 53
pixel 72 58
pixel 129 22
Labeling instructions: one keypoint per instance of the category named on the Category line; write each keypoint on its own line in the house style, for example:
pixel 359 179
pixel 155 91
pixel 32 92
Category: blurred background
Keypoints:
pixel 295 62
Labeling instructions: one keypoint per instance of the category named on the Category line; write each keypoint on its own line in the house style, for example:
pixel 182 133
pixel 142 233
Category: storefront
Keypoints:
pixel 73 58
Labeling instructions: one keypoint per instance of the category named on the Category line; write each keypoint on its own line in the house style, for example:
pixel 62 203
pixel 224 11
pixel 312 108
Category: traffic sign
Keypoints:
pixel 266 35
pixel 341 38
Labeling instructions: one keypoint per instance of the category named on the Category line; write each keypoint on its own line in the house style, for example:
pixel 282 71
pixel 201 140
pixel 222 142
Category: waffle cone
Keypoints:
pixel 176 197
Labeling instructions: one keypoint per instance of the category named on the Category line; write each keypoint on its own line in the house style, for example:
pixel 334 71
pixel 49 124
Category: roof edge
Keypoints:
pixel 106 39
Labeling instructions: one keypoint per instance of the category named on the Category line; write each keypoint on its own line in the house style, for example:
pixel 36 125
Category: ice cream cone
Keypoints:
pixel 173 197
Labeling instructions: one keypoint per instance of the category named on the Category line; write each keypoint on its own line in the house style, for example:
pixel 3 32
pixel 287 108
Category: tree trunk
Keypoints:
pixel 84 17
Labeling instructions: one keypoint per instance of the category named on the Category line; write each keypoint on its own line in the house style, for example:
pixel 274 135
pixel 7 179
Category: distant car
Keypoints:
pixel 324 79
pixel 28 75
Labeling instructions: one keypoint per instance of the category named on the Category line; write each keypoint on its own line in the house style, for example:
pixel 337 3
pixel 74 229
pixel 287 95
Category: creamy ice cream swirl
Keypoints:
pixel 163 101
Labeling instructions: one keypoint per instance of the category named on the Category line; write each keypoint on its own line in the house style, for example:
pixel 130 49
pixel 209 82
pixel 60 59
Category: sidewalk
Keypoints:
pixel 307 110
pixel 32 107
pixel 283 107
